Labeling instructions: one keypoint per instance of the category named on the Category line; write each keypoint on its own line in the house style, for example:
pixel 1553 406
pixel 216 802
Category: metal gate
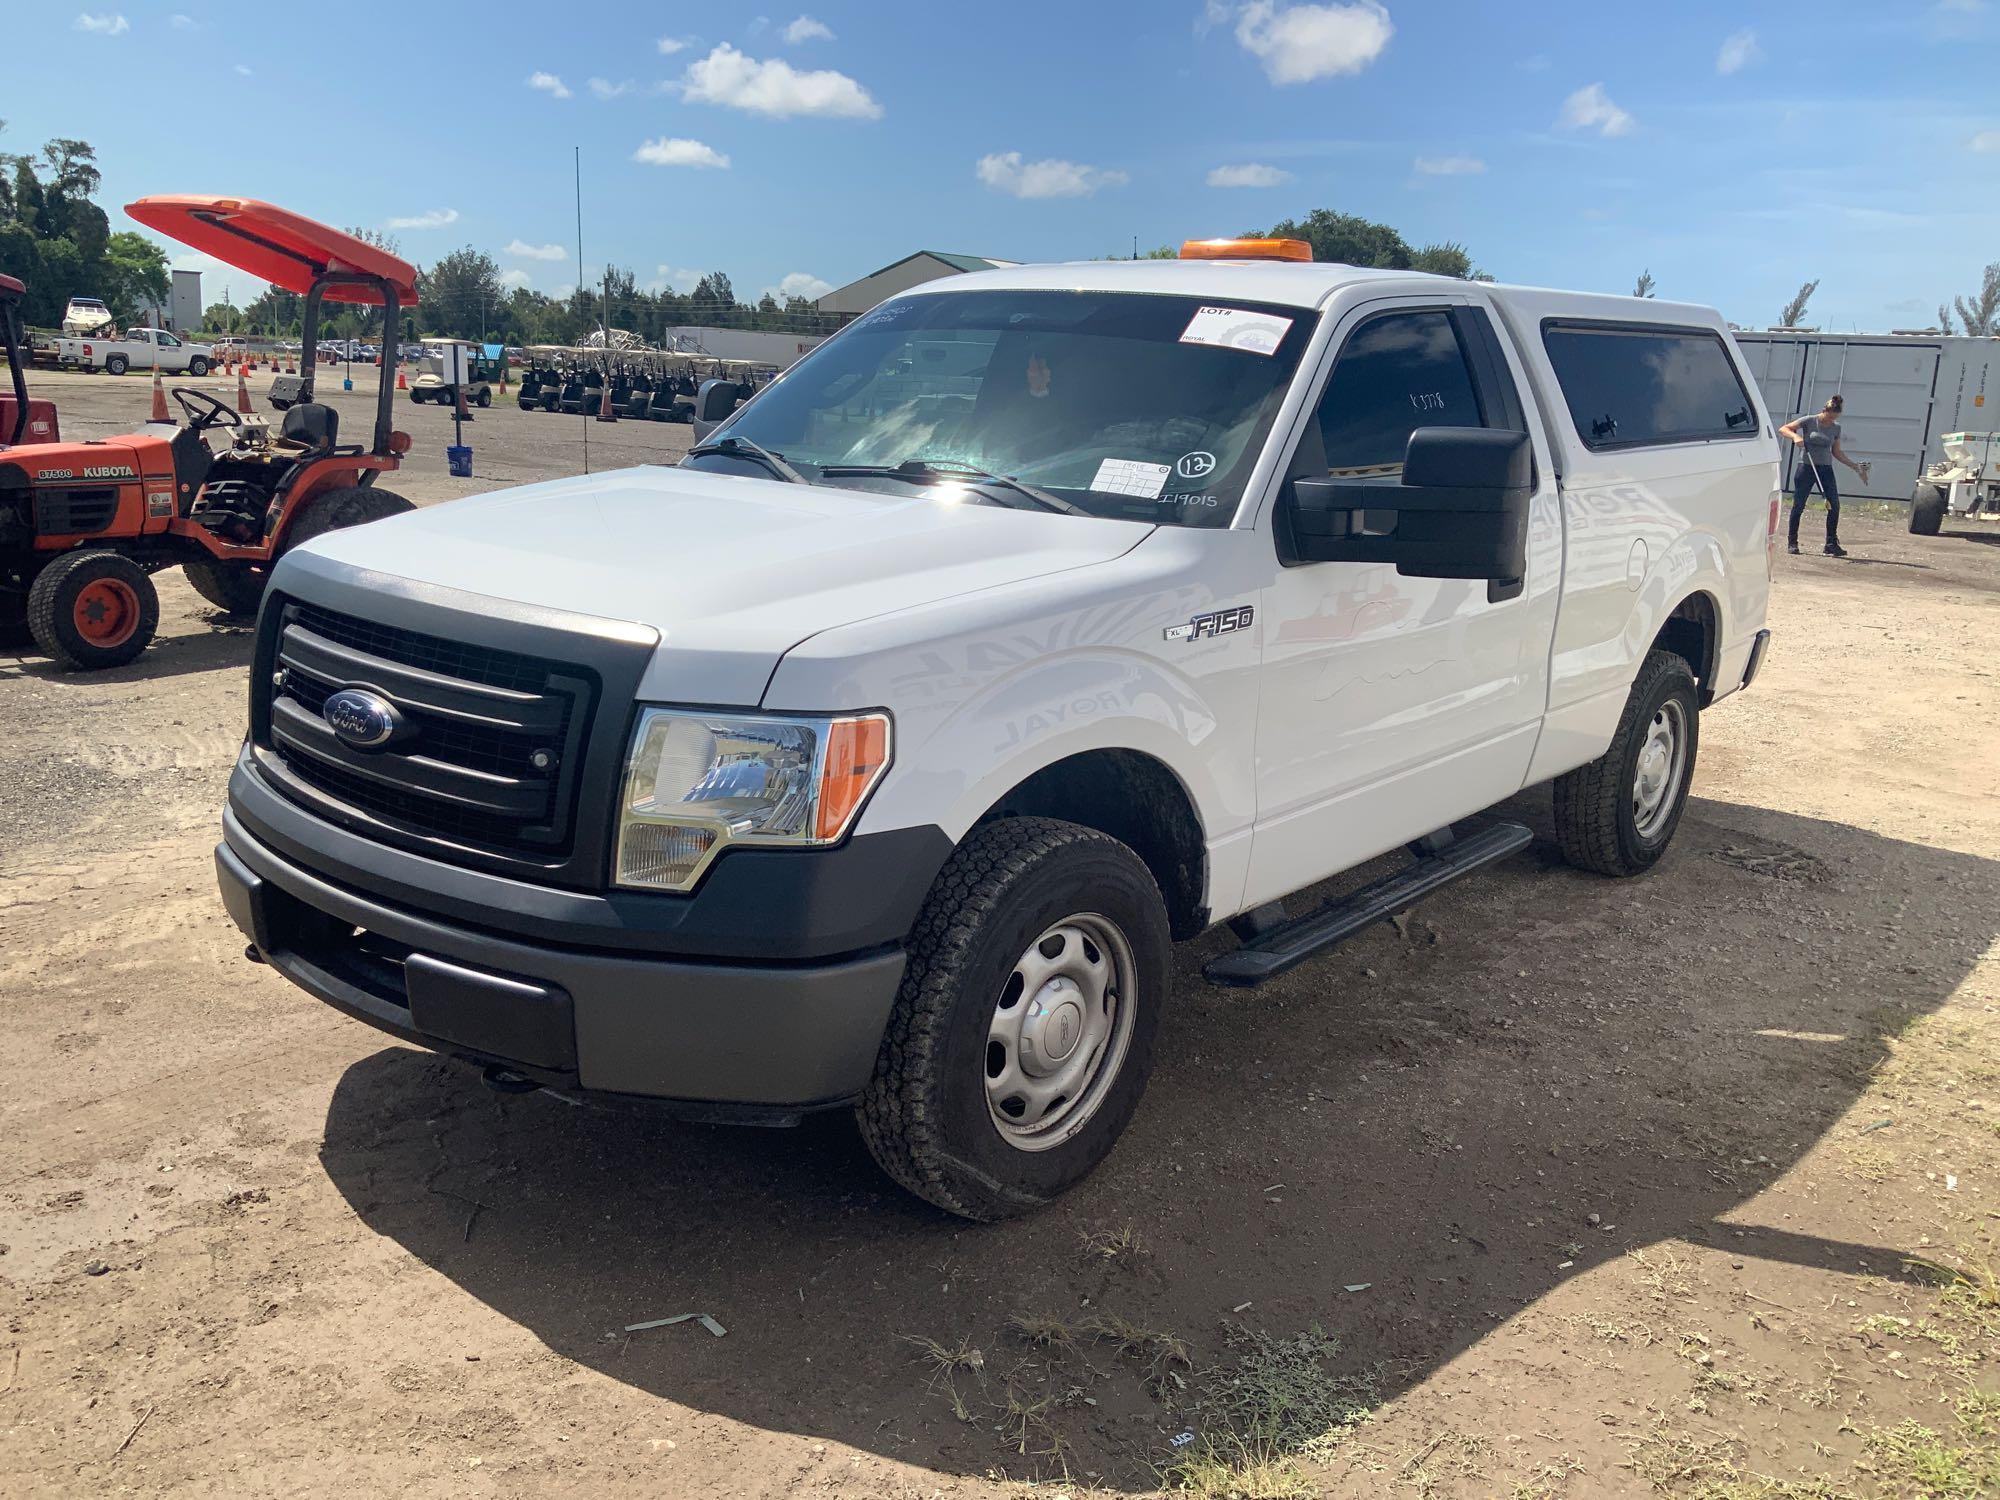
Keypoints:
pixel 1888 388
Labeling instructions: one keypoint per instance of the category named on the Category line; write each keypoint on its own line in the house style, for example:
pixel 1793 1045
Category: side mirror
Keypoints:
pixel 714 402
pixel 1460 510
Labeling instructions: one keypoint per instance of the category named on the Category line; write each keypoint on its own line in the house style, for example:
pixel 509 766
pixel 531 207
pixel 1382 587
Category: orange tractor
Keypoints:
pixel 84 525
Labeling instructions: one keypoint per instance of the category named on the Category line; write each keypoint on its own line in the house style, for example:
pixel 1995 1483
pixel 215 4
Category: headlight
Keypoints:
pixel 696 783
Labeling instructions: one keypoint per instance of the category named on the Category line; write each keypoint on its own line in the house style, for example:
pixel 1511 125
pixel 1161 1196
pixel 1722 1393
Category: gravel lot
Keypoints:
pixel 1558 1187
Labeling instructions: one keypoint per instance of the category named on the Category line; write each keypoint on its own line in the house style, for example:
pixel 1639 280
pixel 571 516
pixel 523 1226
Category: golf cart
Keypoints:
pixel 1965 482
pixel 435 383
pixel 84 526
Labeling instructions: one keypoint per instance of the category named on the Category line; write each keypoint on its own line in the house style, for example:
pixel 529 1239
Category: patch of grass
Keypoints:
pixel 1282 1393
pixel 1025 1424
pixel 1165 1356
pixel 1236 1470
pixel 1120 1244
pixel 1978 1412
pixel 1664 1271
pixel 1910 1459
pixel 1044 1331
pixel 1867 1161
pixel 1969 1293
pixel 947 1362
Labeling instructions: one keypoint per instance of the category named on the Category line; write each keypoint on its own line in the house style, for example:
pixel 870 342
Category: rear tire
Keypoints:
pixel 1079 912
pixel 92 610
pixel 336 510
pixel 117 364
pixel 1928 503
pixel 1618 814
pixel 235 588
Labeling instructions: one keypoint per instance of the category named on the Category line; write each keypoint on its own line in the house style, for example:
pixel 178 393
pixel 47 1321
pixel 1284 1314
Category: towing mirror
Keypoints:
pixel 1460 510
pixel 713 404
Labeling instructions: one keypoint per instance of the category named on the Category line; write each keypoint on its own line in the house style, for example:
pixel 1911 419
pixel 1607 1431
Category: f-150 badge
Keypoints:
pixel 1216 622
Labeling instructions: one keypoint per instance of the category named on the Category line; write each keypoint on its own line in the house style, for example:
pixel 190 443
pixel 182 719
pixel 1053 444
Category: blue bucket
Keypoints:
pixel 459 458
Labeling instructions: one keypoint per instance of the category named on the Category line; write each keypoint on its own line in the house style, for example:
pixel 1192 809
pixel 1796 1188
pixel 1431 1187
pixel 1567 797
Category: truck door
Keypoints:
pixel 1389 706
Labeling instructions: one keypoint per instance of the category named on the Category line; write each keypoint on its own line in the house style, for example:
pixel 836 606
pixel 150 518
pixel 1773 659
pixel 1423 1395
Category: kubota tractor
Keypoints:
pixel 84 525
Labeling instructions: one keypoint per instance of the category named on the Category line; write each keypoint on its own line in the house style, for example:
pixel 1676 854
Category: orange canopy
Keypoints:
pixel 284 248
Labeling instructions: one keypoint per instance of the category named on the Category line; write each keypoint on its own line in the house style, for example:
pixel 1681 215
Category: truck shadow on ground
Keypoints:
pixel 1433 1113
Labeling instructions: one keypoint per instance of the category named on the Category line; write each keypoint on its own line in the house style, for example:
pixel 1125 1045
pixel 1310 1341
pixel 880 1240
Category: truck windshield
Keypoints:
pixel 1122 404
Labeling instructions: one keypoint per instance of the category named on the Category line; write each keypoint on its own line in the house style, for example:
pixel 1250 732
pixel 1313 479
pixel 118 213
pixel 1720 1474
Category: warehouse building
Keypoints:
pixel 854 299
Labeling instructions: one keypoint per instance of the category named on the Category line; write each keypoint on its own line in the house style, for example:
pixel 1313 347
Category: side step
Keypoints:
pixel 1438 862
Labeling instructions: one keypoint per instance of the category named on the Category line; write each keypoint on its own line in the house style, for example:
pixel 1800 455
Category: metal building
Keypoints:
pixel 1903 393
pixel 854 299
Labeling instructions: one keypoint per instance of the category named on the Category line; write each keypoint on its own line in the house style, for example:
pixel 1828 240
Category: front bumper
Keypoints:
pixel 717 1039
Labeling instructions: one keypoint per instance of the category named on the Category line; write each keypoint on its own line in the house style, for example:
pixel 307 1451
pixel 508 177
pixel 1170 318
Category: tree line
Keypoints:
pixel 59 242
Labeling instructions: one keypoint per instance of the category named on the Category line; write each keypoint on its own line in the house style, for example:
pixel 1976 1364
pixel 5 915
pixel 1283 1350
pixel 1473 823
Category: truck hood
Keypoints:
pixel 732 571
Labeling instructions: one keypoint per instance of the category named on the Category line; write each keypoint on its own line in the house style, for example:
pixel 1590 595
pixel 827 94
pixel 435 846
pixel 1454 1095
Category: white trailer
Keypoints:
pixel 1904 393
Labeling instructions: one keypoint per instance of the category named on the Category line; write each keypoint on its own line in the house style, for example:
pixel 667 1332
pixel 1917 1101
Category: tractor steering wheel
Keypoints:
pixel 204 411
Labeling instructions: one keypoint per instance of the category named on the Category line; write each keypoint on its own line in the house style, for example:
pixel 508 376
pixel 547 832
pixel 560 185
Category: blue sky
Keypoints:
pixel 1735 150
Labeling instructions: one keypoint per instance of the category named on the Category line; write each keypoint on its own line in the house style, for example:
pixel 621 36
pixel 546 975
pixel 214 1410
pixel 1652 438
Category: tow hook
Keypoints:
pixel 504 1081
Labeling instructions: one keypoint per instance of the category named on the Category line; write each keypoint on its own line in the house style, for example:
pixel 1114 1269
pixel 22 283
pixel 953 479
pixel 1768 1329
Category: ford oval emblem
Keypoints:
pixel 360 719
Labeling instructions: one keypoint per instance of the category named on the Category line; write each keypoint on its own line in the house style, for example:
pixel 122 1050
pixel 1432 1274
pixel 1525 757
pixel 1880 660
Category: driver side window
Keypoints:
pixel 1398 371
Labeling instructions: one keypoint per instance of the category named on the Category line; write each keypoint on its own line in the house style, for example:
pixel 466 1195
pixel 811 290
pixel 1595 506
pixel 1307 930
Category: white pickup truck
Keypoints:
pixel 874 755
pixel 137 350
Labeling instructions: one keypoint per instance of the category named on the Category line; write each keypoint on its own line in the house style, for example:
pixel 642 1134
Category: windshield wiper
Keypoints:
pixel 731 446
pixel 919 468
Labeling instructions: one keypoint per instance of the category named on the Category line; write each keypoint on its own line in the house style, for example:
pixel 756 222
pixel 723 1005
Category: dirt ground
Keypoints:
pixel 1560 1187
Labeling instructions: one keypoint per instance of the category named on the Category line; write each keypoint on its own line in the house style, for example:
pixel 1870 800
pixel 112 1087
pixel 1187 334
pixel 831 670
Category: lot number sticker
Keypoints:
pixel 1237 328
pixel 1128 476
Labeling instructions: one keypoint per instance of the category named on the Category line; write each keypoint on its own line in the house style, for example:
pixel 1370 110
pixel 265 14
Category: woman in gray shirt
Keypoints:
pixel 1819 437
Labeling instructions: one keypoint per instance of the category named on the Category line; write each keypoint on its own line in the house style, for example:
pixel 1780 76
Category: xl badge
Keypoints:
pixel 1217 622
pixel 361 720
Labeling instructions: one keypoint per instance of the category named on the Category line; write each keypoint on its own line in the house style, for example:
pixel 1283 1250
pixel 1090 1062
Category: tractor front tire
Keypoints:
pixel 92 610
pixel 1927 508
pixel 235 588
pixel 336 510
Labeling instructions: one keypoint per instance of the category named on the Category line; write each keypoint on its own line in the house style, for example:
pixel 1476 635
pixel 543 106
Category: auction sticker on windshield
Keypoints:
pixel 1237 328
pixel 1128 476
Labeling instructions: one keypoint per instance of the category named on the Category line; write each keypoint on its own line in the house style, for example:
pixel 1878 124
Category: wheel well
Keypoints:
pixel 1690 634
pixel 1138 801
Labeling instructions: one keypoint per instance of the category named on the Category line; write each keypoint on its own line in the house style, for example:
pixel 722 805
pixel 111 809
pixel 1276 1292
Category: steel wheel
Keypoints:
pixel 1060 1031
pixel 1661 767
pixel 107 612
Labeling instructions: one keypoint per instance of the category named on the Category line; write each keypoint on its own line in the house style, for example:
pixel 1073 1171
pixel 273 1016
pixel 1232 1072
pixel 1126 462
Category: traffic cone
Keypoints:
pixel 159 398
pixel 291 363
pixel 242 393
pixel 402 380
pixel 604 411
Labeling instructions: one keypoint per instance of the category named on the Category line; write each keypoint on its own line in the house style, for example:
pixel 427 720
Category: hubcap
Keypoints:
pixel 107 611
pixel 1059 1033
pixel 1662 766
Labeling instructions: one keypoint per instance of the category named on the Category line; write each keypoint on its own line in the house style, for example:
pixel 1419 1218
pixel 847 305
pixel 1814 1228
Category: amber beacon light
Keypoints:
pixel 1246 250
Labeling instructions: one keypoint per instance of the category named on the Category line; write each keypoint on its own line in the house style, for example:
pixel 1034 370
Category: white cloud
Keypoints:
pixel 669 45
pixel 674 151
pixel 1590 108
pixel 1247 174
pixel 242 70
pixel 1536 63
pixel 799 284
pixel 522 250
pixel 1005 172
pixel 107 24
pixel 435 218
pixel 1739 50
pixel 677 278
pixel 549 84
pixel 180 22
pixel 1299 43
pixel 515 277
pixel 1449 166
pixel 1987 141
pixel 604 88
pixel 774 87
pixel 806 29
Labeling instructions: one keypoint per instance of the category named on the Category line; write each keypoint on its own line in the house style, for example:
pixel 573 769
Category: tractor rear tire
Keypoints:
pixel 336 510
pixel 92 610
pixel 1927 508
pixel 235 588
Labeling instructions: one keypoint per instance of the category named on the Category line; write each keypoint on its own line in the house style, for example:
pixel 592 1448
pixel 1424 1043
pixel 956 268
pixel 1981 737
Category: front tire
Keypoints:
pixel 1618 814
pixel 197 367
pixel 1927 508
pixel 484 399
pixel 1022 1035
pixel 92 610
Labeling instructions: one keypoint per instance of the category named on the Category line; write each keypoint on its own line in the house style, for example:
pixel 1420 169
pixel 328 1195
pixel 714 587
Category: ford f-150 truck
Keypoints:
pixel 139 349
pixel 875 754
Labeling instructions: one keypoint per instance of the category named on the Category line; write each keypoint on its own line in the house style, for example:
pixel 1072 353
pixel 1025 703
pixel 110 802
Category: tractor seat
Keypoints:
pixel 192 461
pixel 315 426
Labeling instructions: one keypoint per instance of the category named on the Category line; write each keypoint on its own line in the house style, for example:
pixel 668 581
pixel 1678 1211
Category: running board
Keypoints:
pixel 1438 862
